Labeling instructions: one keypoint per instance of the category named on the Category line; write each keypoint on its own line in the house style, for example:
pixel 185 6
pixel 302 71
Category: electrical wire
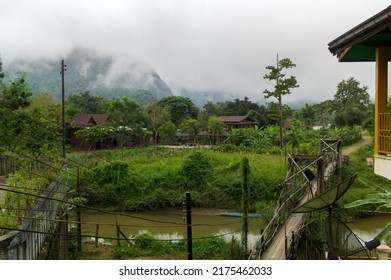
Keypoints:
pixel 101 211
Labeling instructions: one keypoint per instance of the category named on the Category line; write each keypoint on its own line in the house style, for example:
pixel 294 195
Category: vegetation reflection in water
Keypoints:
pixel 168 225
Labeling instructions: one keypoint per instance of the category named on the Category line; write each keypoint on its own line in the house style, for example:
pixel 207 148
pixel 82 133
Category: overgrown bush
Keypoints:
pixel 196 169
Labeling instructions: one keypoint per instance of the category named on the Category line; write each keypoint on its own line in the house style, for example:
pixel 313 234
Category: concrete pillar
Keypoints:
pixel 383 251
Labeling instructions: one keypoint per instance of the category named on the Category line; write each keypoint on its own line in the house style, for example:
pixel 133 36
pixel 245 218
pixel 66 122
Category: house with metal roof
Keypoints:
pixel 82 121
pixel 370 41
pixel 88 120
pixel 238 122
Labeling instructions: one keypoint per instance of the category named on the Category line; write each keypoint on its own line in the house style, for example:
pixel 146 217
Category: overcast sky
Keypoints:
pixel 221 45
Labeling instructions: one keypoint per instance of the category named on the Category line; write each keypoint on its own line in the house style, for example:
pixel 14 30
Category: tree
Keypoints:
pixel 96 133
pixel 23 128
pixel 282 85
pixel 49 108
pixel 156 116
pixel 167 132
pixel 349 116
pixel 190 126
pixel 307 114
pixel 85 103
pixel 351 103
pixel 351 94
pixel 128 118
pixel 15 95
pixel 216 127
pixel 180 108
pixel 125 112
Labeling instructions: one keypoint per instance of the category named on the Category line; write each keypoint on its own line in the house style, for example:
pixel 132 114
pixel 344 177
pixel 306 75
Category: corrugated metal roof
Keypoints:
pixel 237 119
pixel 360 42
pixel 86 120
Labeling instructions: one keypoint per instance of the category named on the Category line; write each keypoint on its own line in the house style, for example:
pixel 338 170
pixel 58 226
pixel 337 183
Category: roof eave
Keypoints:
pixel 362 31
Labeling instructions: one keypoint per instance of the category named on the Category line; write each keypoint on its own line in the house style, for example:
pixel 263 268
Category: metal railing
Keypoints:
pixel 385 133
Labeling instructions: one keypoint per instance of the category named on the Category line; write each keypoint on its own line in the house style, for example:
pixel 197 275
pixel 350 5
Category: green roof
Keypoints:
pixel 359 43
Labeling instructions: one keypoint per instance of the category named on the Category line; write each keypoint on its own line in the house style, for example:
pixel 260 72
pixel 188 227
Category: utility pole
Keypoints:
pixel 78 213
pixel 63 69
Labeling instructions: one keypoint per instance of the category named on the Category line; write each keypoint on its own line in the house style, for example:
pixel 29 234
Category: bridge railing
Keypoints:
pixel 295 188
pixel 26 241
pixel 286 202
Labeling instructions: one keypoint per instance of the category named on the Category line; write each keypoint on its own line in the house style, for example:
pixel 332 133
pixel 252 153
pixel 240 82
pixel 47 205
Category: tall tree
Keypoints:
pixel 351 102
pixel 191 127
pixel 180 108
pixel 351 94
pixel 156 116
pixel 215 128
pixel 23 128
pixel 282 85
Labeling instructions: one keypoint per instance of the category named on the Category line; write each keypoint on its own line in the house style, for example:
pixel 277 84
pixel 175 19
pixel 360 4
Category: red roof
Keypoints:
pixel 87 120
pixel 237 119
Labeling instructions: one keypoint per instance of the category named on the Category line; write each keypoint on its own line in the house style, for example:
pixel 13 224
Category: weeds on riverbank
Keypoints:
pixel 146 245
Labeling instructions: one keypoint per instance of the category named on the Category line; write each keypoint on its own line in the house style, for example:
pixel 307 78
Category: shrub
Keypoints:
pixel 196 169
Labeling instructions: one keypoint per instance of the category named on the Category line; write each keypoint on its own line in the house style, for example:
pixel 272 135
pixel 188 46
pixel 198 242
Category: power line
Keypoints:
pixel 116 238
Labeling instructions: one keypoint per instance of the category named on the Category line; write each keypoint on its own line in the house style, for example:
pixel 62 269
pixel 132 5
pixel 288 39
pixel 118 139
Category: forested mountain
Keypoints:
pixel 88 71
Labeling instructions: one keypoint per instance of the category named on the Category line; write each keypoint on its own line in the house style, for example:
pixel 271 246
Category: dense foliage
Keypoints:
pixel 150 178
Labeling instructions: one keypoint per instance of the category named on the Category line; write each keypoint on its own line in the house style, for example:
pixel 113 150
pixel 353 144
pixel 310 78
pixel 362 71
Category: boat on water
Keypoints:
pixel 238 214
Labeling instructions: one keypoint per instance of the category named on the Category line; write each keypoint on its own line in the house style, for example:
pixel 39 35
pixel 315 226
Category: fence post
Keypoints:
pixel 189 227
pixel 96 235
pixel 320 175
pixel 118 238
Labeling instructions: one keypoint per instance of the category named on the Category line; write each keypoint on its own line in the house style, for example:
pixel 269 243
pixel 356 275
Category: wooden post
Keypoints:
pixel 189 227
pixel 118 238
pixel 320 175
pixel 96 235
pixel 245 205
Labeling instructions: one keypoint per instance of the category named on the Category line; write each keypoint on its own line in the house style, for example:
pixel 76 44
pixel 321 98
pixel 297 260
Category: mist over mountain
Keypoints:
pixel 89 71
pixel 199 98
pixel 110 77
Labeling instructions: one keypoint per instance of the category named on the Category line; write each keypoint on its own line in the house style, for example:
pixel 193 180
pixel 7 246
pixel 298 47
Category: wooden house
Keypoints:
pixel 238 122
pixel 82 121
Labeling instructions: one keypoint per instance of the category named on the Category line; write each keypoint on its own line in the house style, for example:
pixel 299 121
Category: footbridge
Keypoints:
pixel 307 177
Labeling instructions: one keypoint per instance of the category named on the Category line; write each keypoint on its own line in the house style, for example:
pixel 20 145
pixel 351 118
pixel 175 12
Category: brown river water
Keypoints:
pixel 170 225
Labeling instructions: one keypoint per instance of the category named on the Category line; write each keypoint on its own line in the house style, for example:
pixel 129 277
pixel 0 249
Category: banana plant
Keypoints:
pixel 382 198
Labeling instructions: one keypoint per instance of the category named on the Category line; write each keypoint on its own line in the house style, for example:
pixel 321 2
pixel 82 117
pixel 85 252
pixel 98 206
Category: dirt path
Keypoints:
pixel 366 139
